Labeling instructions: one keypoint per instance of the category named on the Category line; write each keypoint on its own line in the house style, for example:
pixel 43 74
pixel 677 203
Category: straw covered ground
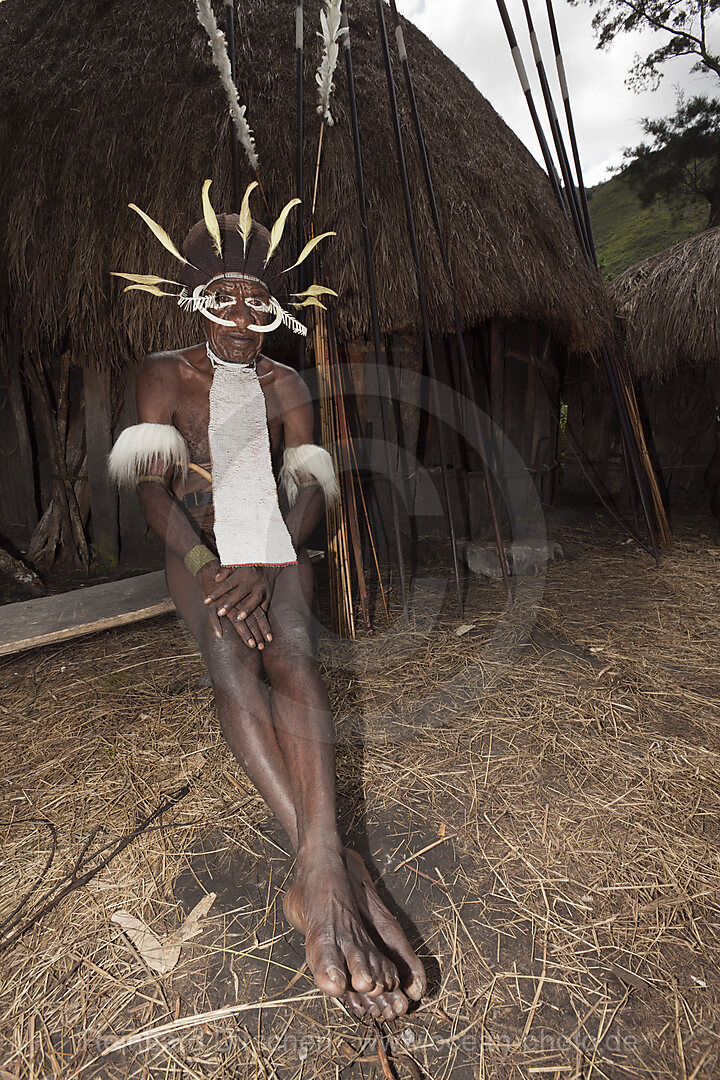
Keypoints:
pixel 538 792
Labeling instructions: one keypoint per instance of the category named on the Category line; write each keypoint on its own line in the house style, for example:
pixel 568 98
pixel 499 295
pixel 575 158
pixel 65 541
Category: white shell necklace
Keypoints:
pixel 217 361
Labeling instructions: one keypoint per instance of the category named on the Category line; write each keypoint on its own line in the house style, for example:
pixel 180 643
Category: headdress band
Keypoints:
pixel 235 275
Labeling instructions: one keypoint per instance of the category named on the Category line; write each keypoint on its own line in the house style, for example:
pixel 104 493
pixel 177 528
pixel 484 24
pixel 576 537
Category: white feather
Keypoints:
pixel 308 463
pixel 144 447
pixel 221 60
pixel 331 34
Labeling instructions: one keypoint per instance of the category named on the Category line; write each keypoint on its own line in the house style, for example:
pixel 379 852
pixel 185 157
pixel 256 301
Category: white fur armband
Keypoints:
pixel 144 447
pixel 309 462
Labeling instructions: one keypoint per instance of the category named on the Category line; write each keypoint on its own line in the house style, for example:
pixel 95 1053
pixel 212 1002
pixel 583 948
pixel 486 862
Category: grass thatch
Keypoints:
pixel 544 809
pixel 112 101
pixel 668 307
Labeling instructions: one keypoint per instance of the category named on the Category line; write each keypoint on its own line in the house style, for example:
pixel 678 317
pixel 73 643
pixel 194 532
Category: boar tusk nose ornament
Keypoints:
pixel 277 321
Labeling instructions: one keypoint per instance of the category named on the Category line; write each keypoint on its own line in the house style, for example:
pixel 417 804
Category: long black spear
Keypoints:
pixel 234 148
pixel 482 439
pixel 527 91
pixel 618 385
pixel 616 366
pixel 412 235
pixel 622 373
pixel 299 170
pixel 564 90
pixel 570 191
pixel 385 388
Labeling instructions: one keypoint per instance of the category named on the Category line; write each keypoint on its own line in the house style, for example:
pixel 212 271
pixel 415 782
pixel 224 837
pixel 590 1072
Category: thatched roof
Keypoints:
pixel 669 306
pixel 104 102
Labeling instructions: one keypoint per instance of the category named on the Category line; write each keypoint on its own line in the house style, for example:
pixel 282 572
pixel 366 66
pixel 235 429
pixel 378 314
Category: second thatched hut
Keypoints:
pixel 668 313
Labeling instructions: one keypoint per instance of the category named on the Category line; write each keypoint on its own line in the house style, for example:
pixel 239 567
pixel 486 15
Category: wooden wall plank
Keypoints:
pixel 98 432
pixel 25 474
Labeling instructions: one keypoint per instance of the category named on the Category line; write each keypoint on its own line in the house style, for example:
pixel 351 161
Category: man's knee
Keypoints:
pixel 235 676
pixel 289 660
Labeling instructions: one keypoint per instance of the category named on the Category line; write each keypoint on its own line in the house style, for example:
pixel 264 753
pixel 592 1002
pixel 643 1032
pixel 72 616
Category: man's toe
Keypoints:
pixel 417 984
pixel 329 974
pixel 399 1002
pixel 355 1001
pixel 361 973
pixel 391 979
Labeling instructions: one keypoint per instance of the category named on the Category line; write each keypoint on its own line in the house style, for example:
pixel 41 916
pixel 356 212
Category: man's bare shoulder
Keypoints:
pixel 165 368
pixel 288 383
pixel 165 364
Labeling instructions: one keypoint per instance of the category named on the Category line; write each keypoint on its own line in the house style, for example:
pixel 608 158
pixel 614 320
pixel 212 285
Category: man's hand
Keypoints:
pixel 243 595
pixel 207 576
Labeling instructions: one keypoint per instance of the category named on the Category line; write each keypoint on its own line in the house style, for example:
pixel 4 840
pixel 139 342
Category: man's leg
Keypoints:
pixel 241 697
pixel 247 723
pixel 332 887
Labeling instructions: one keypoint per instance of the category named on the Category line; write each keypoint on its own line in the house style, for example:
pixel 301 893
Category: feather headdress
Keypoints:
pixel 221 60
pixel 198 299
pixel 331 34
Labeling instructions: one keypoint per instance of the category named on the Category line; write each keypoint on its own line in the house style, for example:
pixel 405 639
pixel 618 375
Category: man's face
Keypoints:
pixel 237 302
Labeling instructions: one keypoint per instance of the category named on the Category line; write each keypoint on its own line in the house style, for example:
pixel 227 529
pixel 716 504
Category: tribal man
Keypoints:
pixel 216 421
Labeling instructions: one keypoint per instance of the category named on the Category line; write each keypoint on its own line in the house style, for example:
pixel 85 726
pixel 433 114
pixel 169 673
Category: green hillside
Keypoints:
pixel 626 232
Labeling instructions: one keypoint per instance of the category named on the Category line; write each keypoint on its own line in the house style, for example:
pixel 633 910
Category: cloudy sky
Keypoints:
pixel 606 112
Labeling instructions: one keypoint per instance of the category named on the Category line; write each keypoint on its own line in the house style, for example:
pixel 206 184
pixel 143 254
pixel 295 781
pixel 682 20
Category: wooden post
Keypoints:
pixel 61 529
pixel 98 434
pixel 26 465
pixel 497 394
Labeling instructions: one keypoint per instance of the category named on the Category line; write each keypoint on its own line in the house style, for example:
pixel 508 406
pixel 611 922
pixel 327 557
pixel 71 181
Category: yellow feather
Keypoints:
pixel 159 232
pixel 309 247
pixel 211 220
pixel 153 289
pixel 279 228
pixel 144 279
pixel 245 217
pixel 312 301
pixel 317 290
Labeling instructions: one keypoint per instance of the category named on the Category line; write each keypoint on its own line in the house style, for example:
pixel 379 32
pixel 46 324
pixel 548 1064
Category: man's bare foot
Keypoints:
pixel 341 954
pixel 390 938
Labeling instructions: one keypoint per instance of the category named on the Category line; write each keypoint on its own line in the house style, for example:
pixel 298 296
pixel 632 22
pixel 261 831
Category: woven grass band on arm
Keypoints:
pixel 198 557
pixel 151 478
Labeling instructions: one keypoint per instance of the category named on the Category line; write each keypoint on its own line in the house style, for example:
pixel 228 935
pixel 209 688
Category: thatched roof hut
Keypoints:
pixel 668 311
pixel 669 307
pixel 104 102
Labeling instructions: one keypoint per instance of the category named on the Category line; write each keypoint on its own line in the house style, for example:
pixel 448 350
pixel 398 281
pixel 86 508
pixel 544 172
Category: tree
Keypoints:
pixel 683 159
pixel 682 23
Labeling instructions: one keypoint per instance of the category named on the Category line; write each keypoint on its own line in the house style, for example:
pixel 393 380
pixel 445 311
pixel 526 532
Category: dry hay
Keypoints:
pixel 551 833
pixel 668 309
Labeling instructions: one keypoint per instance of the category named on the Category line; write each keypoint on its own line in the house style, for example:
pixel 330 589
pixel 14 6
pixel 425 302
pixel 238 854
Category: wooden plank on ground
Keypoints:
pixel 50 619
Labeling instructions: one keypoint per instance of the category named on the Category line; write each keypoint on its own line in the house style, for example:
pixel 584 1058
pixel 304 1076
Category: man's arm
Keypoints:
pixel 306 510
pixel 162 511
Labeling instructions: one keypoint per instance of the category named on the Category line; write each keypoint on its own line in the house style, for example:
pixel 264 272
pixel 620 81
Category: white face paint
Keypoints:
pixel 203 302
pixel 207 303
